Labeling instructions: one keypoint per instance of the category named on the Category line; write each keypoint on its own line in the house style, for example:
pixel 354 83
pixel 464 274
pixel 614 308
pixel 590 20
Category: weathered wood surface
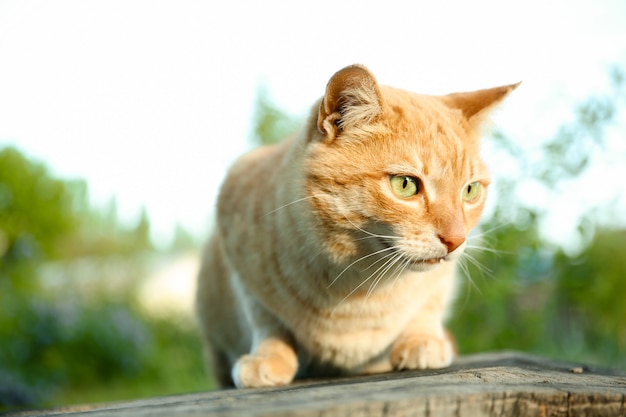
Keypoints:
pixel 490 384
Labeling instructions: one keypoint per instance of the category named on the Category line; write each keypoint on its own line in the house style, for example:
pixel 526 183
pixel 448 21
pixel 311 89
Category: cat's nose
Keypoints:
pixel 452 242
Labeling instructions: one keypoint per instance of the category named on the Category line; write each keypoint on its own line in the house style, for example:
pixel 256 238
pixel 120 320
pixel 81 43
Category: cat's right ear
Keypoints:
pixel 352 99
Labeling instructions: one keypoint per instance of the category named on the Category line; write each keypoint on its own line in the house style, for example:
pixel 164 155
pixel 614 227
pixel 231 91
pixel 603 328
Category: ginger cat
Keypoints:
pixel 335 251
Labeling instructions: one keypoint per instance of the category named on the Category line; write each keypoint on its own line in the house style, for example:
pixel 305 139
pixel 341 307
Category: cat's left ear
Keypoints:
pixel 476 105
pixel 352 99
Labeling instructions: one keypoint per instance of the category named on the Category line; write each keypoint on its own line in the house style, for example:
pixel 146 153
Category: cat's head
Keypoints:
pixel 396 174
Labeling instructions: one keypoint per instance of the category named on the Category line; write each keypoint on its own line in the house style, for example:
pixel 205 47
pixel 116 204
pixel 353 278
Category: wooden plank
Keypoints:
pixel 489 384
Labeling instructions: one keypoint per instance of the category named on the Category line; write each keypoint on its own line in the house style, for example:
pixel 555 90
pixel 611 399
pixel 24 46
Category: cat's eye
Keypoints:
pixel 404 186
pixel 471 191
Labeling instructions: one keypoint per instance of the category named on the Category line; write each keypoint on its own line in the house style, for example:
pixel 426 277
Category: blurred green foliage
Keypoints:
pixel 79 337
pixel 64 339
pixel 34 210
pixel 271 124
pixel 530 297
pixel 533 295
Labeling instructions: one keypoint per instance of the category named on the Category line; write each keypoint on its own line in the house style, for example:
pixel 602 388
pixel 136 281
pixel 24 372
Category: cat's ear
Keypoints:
pixel 352 99
pixel 476 105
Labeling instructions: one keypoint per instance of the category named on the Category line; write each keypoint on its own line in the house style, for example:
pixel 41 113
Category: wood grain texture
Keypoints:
pixel 488 384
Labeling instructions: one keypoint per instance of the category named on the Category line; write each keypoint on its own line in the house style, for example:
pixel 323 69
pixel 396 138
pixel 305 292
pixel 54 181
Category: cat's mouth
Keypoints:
pixel 412 262
pixel 433 261
pixel 421 263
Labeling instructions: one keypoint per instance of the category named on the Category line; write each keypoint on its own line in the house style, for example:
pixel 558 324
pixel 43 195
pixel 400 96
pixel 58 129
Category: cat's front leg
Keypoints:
pixel 273 362
pixel 424 344
pixel 422 351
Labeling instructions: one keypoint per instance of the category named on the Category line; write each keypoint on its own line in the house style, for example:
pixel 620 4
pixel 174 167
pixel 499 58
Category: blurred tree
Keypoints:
pixel 183 240
pixel 102 233
pixel 569 153
pixel 141 233
pixel 271 125
pixel 36 210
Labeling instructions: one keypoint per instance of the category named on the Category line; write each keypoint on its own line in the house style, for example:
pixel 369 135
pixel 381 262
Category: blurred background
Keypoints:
pixel 118 120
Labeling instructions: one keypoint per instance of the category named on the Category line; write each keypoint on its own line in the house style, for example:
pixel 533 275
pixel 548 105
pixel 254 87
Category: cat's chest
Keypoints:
pixel 357 325
pixel 363 326
pixel 354 331
pixel 349 341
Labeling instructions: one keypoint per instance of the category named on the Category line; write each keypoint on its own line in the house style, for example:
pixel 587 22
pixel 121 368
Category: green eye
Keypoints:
pixel 404 186
pixel 471 191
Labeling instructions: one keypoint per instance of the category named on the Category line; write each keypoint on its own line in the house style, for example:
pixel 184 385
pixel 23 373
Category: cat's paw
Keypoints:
pixel 252 371
pixel 421 352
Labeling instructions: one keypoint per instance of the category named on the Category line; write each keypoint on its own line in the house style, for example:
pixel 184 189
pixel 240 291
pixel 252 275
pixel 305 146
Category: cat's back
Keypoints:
pixel 259 161
pixel 250 178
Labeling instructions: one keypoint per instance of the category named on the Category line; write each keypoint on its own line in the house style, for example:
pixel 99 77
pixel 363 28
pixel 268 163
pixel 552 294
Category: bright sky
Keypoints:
pixel 151 100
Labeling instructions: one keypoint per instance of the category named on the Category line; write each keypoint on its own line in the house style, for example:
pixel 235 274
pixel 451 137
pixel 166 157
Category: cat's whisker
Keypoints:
pixel 381 259
pixel 482 268
pixel 370 234
pixel 385 269
pixel 484 237
pixel 379 237
pixel 463 264
pixel 380 271
pixel 293 202
pixel 481 233
pixel 468 259
pixel 401 269
pixel 495 252
pixel 391 257
pixel 378 252
pixel 473 247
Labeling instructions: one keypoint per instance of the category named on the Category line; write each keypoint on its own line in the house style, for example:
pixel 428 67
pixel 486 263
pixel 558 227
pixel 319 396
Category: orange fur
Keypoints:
pixel 317 266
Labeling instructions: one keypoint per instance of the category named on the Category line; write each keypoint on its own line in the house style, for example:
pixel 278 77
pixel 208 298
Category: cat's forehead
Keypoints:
pixel 431 141
pixel 435 161
pixel 427 114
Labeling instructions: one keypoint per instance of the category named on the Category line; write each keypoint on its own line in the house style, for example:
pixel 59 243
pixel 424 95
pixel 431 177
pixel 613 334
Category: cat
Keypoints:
pixel 334 251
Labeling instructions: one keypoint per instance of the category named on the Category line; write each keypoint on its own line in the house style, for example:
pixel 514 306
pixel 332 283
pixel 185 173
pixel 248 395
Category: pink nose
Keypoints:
pixel 452 242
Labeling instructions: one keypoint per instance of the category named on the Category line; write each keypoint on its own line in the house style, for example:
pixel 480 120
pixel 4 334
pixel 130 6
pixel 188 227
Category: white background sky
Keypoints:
pixel 151 100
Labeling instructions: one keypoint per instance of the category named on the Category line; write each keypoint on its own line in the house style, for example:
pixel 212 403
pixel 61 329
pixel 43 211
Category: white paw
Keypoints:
pixel 422 352
pixel 252 371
